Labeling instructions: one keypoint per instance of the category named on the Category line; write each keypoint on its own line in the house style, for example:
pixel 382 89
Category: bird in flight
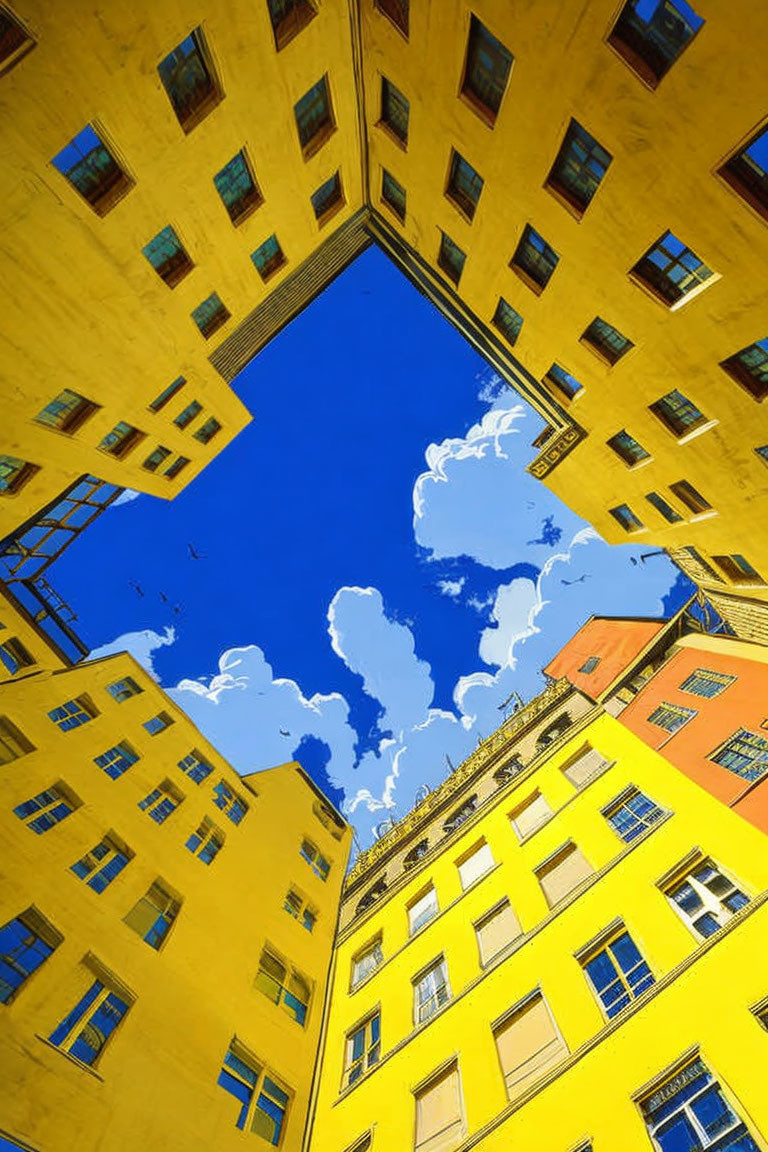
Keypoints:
pixel 136 587
pixel 194 554
pixel 283 732
pixel 578 580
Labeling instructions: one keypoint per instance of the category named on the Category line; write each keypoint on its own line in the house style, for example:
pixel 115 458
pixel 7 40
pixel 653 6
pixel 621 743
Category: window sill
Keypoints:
pixel 392 135
pixel 696 432
pixel 528 280
pixel 639 464
pixel 72 1059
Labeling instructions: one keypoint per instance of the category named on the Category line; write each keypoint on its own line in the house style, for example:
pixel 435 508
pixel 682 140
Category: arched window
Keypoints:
pixel 554 731
pixel 461 814
pixel 508 771
pixel 415 854
pixel 371 896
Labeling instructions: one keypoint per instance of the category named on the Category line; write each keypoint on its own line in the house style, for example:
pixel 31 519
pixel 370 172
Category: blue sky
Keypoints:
pixel 377 571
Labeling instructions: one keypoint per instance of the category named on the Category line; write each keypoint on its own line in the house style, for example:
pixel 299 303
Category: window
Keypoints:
pixel 196 766
pixel 578 169
pixel 281 986
pixel 671 717
pixel 206 842
pixel 91 168
pixel 745 753
pixel 671 270
pixel 123 689
pixel 508 771
pixel 288 18
pixel 393 194
pixel 430 991
pixel 464 185
pixel 632 814
pixel 50 807
pixel 565 383
pixel 161 802
pixel 268 257
pixel 189 80
pixel 86 1031
pixel 73 713
pixel 371 896
pixel 168 257
pixel 530 815
pixel 14 474
pixel 617 972
pixel 705 898
pixel 153 916
pixel 747 172
pixel 329 819
pixel 367 961
pixel 237 187
pixel 395 111
pixel 679 414
pixel 750 366
pixel 115 761
pixel 738 570
pixel 690 1111
pixel 476 864
pixel 528 1043
pixel 210 315
pixel 13 742
pixel 534 260
pixel 606 341
pixel 67 412
pixel 155 459
pixel 626 517
pixel 314 118
pixel 121 440
pixel 362 1049
pixel 486 71
pixel 166 395
pixel 589 664
pixel 103 863
pixel 703 682
pixel 397 11
pixel 450 258
pixel 232 805
pixel 588 764
pixel 178 465
pixel 626 447
pixel 14 656
pixel 422 910
pixel 26 942
pixel 507 321
pixel 15 41
pixel 328 198
pixel 296 906
pixel 664 508
pixel 563 872
pixel 651 36
pixel 495 930
pixel 763 453
pixel 317 862
pixel 208 430
pixel 158 723
pixel 263 1103
pixel 188 414
pixel 691 497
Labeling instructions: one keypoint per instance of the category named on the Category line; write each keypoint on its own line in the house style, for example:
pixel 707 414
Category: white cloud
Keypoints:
pixel 127 496
pixel 141 646
pixel 451 588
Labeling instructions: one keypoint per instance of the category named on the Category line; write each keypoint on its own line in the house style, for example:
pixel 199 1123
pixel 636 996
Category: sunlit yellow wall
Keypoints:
pixel 704 998
pixel 155 1085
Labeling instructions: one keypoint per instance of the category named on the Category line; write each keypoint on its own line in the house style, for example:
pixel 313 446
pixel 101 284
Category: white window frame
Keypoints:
pixel 435 980
pixel 361 971
pixel 427 902
pixel 710 902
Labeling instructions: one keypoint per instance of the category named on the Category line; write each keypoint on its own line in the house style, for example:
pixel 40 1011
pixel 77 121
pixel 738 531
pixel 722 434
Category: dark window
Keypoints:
pixel 738 569
pixel 14 656
pixel 14 474
pixel 464 185
pixel 288 18
pixel 26 942
pixel 210 315
pixel 188 78
pixel 678 413
pixel 661 505
pixel 67 412
pixel 393 194
pixel 115 761
pixel 158 723
pixel 589 665
pixel 42 812
pixel 268 257
pixel 563 381
pixel 15 41
pixel 625 446
pixel 167 394
pixel 237 187
pixel 187 415
pixel 534 260
pixel 328 198
pixel 762 453
pixel 177 466
pixel 750 368
pixel 371 896
pixel 486 71
pixel 747 172
pixel 395 111
pixel 397 11
pixel 196 766
pixel 155 459
pixel 161 802
pixel 121 440
pixel 579 167
pixel 168 257
pixel 232 805
pixel 102 864
pixel 459 815
pixel 745 753
pixel 73 714
pixel 450 258
pixel 705 682
pixel 91 168
pixel 691 497
pixel 124 689
pixel 208 430
pixel 626 517
pixel 314 117
pixel 99 1011
pixel 651 34
pixel 412 857
pixel 154 914
pixel 671 270
pixel 606 340
pixel 507 321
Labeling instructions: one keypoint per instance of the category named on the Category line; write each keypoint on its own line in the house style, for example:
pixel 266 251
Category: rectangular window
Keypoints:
pixel 496 930
pixel 578 169
pixel 115 761
pixel 563 872
pixel 13 742
pixel 508 321
pixel 123 689
pixel 15 656
pixel 121 440
pixel 206 842
pixel 393 194
pixel 362 1049
pixel 196 766
pixel 486 71
pixel 189 80
pixel 395 111
pixel 703 682
pixel 606 341
pixel 283 986
pixel 178 465
pixel 86 1031
pixel 663 508
pixel 439 1112
pixel 528 1043
pixel 153 916
pixel 208 430
pixel 475 865
pixel 288 18
pixel 691 497
pixel 14 474
pixel 534 260
pixel 422 910
pixel 679 414
pixel 651 36
pixel 430 991
pixel 15 41
pixel 50 807
pixel 168 256
pixel 617 972
pixel 670 270
pixel 750 366
pixel 367 961
pixel 566 384
pixel 328 198
pixel 232 805
pixel 296 906
pixel 464 185
pixel 26 942
pixel 450 258
pixel 237 187
pixel 745 753
pixel 588 764
pixel 705 898
pixel 167 394
pixel 263 1103
pixel 627 448
pixel 589 665
pixel 671 717
pixel 91 168
pixel 747 172
pixel 210 315
pixel 397 11
pixel 158 723
pixel 73 714
pixel 188 414
pixel 317 862
pixel 314 118
pixel 738 569
pixel 161 802
pixel 155 459
pixel 530 815
pixel 690 1111
pixel 268 257
pixel 626 517
pixel 66 412
pixel 103 863
pixel 632 814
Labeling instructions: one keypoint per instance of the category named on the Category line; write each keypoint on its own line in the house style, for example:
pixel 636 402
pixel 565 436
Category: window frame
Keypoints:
pixel 655 281
pixel 440 995
pixel 461 201
pixel 204 107
pixel 467 93
pixel 521 261
pixel 371 1049
pixel 634 59
pixel 738 181
pixel 710 904
pixel 261 1074
pixel 103 203
pixel 325 130
pixel 25 44
pixel 31 921
pixel 554 185
pixel 416 923
pixel 643 823
pixel 83 1012
pixel 604 946
pixel 389 89
pixel 374 948
pixel 301 13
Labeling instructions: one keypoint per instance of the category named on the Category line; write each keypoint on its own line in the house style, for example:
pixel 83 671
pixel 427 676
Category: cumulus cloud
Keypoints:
pixel 451 588
pixel 141 645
